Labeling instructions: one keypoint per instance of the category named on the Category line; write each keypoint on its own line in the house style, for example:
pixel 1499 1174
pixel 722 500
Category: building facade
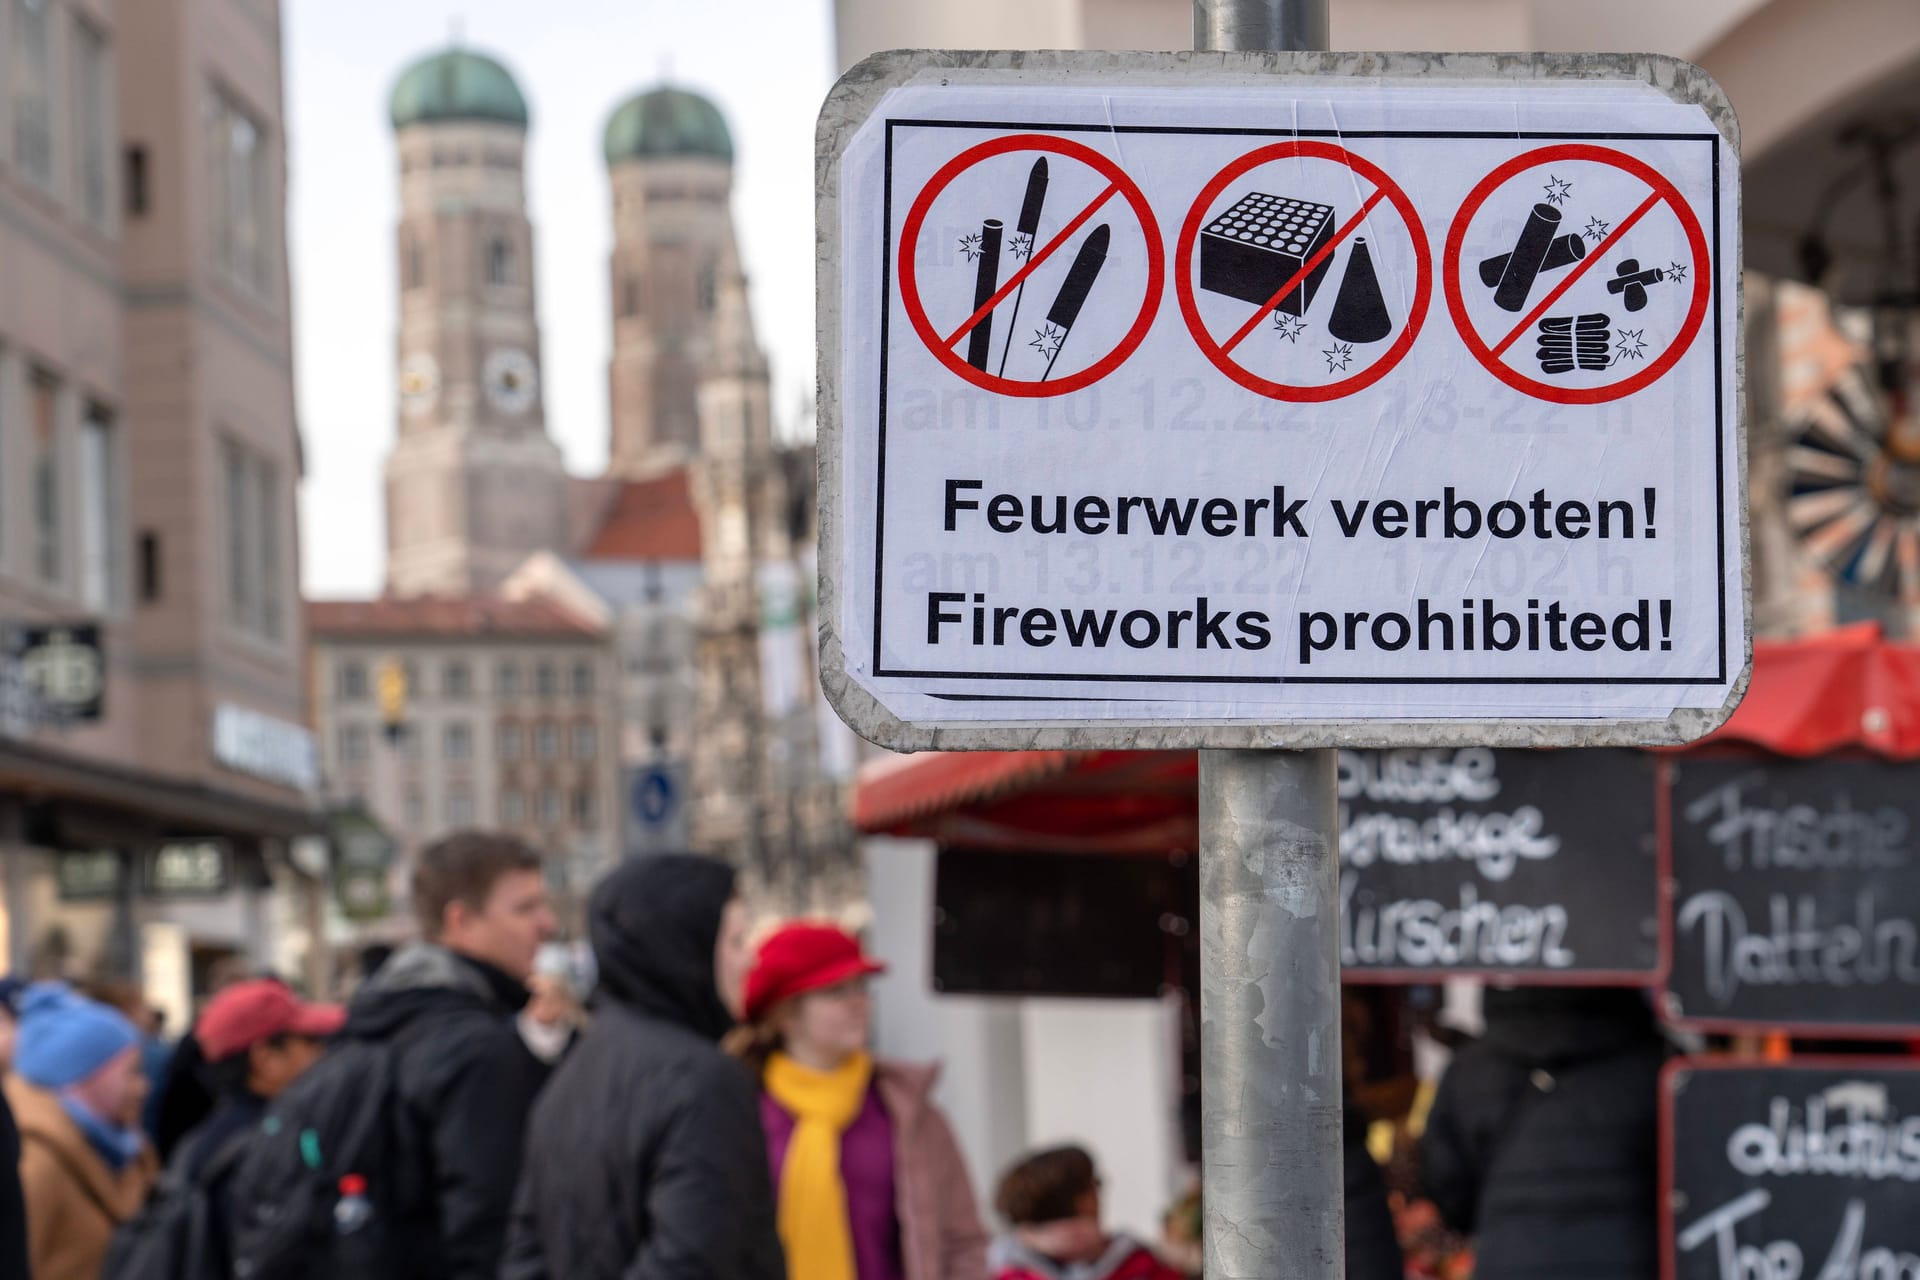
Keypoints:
pixel 151 715
pixel 639 576
pixel 474 483
pixel 506 721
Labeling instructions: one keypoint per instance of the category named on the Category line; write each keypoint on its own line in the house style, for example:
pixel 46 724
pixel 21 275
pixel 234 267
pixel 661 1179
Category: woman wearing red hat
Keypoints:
pixel 870 1182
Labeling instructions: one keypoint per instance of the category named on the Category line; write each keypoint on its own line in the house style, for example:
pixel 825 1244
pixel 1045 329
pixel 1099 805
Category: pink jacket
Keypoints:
pixel 940 1233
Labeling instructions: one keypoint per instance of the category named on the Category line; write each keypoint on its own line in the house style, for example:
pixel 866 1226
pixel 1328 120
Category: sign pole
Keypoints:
pixel 1270 1100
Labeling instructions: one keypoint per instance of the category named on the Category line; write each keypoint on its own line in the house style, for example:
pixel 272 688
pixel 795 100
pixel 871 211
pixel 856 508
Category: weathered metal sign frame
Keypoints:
pixel 856 97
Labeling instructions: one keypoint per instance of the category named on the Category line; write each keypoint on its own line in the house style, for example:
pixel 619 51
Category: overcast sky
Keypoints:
pixel 767 63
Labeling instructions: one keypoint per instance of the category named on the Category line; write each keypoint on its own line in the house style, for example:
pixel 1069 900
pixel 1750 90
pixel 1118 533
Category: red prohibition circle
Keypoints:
pixel 909 281
pixel 1669 195
pixel 1423 262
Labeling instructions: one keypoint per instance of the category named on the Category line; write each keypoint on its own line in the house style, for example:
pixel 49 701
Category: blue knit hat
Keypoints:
pixel 64 1037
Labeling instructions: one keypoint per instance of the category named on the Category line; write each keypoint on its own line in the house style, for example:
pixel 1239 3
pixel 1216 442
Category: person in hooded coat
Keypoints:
pixel 1541 1142
pixel 644 1155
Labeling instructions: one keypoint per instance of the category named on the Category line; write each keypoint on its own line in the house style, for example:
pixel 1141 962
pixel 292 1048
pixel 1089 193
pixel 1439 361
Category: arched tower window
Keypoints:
pixel 706 290
pixel 630 295
pixel 413 259
pixel 499 261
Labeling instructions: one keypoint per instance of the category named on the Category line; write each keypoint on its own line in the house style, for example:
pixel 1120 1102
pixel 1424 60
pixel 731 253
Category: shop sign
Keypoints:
pixel 260 745
pixel 90 875
pixel 363 854
pixel 190 868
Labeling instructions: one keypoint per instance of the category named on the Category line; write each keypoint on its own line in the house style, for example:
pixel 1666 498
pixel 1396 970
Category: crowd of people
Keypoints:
pixel 717 1113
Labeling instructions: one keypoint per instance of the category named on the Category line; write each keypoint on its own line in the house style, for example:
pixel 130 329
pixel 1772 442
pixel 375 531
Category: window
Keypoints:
pixel 459 806
pixel 413 261
pixel 353 743
pixel 256 592
pixel 708 288
pixel 136 181
pixel 630 295
pixel 44 395
pixel 583 810
pixel 266 529
pixel 510 741
pixel 586 741
pixel 549 807
pixel 499 261
pixel 546 742
pixel 546 681
pixel 583 680
pixel 350 680
pixel 457 742
pixel 240 606
pixel 416 808
pixel 149 567
pixel 92 123
pixel 456 680
pixel 506 679
pixel 32 92
pixel 100 512
pixel 513 808
pixel 242 193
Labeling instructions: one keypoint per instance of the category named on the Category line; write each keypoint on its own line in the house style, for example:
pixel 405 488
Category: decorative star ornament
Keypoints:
pixel 1630 345
pixel 1339 357
pixel 1047 340
pixel 1288 327
pixel 1596 229
pixel 1558 189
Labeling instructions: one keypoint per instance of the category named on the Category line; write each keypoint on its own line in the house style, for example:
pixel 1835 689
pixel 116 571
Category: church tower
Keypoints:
pixel 670 163
pixel 474 484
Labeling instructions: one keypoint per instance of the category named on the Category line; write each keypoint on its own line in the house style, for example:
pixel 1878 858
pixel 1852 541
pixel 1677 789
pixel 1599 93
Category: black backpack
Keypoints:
pixel 343 1117
pixel 172 1238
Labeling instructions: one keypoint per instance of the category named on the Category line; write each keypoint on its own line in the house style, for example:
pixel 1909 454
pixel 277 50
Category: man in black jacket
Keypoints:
pixel 449 1005
pixel 13 1205
pixel 1541 1142
pixel 645 1159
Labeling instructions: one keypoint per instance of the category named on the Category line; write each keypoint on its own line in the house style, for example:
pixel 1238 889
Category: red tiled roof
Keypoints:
pixel 652 519
pixel 472 616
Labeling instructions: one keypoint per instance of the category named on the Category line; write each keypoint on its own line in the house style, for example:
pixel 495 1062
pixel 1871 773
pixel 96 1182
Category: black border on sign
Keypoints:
pixel 1719 417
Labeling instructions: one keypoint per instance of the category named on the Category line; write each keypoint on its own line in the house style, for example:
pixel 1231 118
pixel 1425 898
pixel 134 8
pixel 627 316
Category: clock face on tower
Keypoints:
pixel 419 383
pixel 510 380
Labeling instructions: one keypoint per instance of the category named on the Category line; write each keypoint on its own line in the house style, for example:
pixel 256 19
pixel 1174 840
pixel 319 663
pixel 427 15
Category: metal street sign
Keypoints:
pixel 1280 400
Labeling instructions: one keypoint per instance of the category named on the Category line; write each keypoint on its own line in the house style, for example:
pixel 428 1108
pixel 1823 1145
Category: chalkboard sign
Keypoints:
pixel 1796 899
pixel 1798 1170
pixel 1529 864
pixel 1063 924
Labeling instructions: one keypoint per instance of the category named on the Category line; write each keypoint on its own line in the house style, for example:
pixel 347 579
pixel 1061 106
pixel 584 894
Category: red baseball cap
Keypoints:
pixel 258 1009
pixel 803 957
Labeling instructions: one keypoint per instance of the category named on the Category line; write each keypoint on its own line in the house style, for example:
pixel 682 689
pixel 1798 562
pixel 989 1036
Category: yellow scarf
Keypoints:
pixel 813 1200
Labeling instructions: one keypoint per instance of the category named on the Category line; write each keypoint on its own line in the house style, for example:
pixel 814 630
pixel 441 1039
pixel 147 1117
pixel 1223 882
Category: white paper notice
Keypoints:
pixel 1404 403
